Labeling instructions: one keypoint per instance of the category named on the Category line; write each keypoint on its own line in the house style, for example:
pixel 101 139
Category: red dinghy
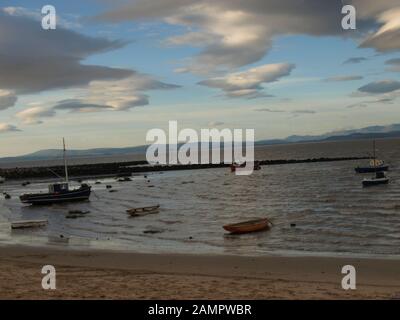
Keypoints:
pixel 248 226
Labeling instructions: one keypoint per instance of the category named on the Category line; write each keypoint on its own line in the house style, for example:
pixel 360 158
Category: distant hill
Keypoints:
pixel 390 131
pixel 372 132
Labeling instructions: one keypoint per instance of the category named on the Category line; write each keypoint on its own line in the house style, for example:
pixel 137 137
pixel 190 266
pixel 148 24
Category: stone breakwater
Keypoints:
pixel 128 168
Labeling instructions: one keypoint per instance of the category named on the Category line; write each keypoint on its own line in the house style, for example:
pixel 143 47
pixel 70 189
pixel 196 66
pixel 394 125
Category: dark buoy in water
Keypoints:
pixel 108 186
pixel 292 225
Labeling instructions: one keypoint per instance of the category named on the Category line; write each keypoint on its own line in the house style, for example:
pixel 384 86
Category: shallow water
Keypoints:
pixel 331 210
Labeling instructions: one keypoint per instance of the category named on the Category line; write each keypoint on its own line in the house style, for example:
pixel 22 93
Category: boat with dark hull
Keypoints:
pixel 371 169
pixel 58 192
pixel 379 178
pixel 375 165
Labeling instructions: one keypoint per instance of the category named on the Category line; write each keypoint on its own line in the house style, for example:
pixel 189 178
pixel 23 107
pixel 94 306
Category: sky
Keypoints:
pixel 112 70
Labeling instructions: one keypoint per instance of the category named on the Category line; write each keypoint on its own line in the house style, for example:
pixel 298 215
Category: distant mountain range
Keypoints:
pixel 372 132
pixel 390 131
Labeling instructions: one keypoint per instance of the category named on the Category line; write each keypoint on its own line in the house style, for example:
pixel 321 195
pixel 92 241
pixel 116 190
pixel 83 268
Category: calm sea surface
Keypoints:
pixel 332 212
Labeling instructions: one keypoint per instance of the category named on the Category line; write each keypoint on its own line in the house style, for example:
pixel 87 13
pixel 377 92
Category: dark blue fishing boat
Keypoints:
pixel 370 169
pixel 59 192
pixel 375 165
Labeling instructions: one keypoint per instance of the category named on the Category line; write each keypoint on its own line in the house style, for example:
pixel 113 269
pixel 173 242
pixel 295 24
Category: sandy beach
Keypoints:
pixel 98 274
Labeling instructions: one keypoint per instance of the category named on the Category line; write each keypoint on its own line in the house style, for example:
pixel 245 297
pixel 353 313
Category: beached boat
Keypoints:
pixel 375 165
pixel 58 192
pixel 28 224
pixel 248 226
pixel 379 178
pixel 142 211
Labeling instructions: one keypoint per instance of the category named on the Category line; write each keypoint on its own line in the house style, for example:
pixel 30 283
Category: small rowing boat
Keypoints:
pixel 28 224
pixel 248 226
pixel 136 212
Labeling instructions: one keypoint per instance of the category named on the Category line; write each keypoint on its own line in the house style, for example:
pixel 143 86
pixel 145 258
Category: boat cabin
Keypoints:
pixel 380 175
pixel 58 187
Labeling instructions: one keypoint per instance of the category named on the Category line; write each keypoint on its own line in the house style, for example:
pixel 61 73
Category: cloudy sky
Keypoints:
pixel 114 69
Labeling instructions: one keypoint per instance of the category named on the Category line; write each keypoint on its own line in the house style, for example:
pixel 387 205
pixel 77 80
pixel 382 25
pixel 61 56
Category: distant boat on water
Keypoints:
pixel 375 164
pixel 59 192
pixel 379 178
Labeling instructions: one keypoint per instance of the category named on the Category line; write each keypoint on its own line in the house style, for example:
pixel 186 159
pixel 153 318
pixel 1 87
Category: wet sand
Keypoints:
pixel 93 274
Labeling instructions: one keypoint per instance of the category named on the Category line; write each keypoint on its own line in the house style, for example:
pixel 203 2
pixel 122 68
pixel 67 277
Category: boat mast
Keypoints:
pixel 373 144
pixel 65 162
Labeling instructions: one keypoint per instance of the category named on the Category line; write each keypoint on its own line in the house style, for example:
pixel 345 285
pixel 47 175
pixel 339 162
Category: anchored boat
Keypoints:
pixel 375 165
pixel 59 192
pixel 379 178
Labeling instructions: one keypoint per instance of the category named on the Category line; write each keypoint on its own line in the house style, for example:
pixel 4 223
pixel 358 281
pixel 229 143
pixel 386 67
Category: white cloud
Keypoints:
pixel 4 127
pixel 235 33
pixel 34 115
pixel 249 83
pixel 387 38
pixel 114 95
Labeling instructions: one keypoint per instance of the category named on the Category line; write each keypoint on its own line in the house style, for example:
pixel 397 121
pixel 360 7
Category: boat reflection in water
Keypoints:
pixel 59 192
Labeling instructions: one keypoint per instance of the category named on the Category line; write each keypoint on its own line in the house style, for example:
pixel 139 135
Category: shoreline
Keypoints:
pixel 105 274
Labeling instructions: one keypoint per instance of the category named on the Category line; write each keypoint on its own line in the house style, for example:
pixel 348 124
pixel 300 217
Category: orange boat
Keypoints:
pixel 248 226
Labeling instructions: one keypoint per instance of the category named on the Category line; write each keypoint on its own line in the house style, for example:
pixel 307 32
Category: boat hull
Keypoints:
pixel 375 182
pixel 248 226
pixel 371 169
pixel 80 194
pixel 136 212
